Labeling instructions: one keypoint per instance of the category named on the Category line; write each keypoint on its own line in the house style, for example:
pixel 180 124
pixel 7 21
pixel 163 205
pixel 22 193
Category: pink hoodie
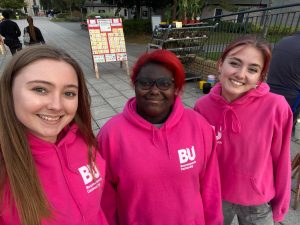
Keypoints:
pixel 159 176
pixel 253 136
pixel 69 187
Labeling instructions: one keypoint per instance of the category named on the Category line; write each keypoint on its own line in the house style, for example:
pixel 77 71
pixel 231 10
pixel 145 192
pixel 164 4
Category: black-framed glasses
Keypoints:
pixel 162 84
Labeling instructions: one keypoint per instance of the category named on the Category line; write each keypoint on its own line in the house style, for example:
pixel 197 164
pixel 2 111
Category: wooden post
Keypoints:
pixel 96 70
pixel 127 68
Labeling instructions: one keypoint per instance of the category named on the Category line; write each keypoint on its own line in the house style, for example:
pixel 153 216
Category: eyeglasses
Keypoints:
pixel 162 84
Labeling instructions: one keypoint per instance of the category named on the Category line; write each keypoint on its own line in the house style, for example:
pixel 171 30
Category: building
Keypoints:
pixel 33 7
pixel 213 7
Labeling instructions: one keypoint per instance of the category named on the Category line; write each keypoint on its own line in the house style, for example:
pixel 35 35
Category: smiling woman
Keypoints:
pixel 161 162
pixel 253 129
pixel 48 150
pixel 53 97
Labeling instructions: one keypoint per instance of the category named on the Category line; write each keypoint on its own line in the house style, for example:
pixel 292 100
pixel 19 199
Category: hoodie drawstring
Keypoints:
pixel 168 146
pixel 154 133
pixel 235 123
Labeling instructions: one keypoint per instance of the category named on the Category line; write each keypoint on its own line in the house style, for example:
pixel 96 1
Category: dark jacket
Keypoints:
pixel 284 73
pixel 11 32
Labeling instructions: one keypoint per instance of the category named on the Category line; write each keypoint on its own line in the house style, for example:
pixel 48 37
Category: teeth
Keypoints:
pixel 49 118
pixel 236 82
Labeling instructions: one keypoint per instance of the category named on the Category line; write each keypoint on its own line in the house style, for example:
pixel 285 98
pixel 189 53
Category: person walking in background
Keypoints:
pixel 161 162
pixel 253 130
pixel 2 47
pixel 50 171
pixel 284 74
pixel 33 32
pixel 11 33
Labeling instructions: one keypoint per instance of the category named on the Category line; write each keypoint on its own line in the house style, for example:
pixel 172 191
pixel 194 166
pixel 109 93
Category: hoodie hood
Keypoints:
pixel 131 114
pixel 158 135
pixel 229 109
pixel 39 146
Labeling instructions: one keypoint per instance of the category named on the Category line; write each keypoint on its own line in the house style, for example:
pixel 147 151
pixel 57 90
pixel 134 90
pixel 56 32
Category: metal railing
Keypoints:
pixel 272 23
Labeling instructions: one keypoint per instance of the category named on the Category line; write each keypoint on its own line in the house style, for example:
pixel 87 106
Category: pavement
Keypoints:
pixel 110 93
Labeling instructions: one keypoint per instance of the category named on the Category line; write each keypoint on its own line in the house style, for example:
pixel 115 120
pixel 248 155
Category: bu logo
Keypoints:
pixel 186 154
pixel 86 174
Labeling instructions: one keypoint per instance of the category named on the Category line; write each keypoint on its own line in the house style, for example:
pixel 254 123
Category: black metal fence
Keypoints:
pixel 272 23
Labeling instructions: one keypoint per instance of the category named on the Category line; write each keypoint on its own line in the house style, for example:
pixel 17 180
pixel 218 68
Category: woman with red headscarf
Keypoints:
pixel 161 162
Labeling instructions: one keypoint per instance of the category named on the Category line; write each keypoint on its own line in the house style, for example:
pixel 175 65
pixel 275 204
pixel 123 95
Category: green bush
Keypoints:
pixel 275 30
pixel 19 13
pixel 137 26
pixel 232 27
pixel 73 19
pixel 102 15
pixel 53 19
pixel 62 15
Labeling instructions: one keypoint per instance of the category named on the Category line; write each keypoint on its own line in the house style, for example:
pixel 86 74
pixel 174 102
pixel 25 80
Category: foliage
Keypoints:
pixel 138 3
pixel 233 27
pixel 73 19
pixel 54 19
pixel 12 4
pixel 182 9
pixel 282 30
pixel 102 15
pixel 62 15
pixel 168 14
pixel 137 26
pixel 247 28
pixel 62 5
pixel 225 4
pixel 154 4
pixel 195 8
pixel 189 9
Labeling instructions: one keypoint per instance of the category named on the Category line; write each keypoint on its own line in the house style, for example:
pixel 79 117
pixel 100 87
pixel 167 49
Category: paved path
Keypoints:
pixel 111 91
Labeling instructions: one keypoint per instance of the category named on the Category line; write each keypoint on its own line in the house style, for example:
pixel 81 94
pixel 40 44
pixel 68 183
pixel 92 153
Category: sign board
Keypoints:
pixel 107 41
pixel 155 20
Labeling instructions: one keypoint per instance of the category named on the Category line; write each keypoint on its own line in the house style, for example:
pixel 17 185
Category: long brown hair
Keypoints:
pixel 17 167
pixel 31 28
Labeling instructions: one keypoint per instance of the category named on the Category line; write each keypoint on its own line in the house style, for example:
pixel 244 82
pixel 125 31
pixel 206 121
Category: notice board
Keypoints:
pixel 107 41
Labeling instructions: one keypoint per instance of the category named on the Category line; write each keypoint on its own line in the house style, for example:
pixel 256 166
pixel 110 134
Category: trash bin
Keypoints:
pixel 17 17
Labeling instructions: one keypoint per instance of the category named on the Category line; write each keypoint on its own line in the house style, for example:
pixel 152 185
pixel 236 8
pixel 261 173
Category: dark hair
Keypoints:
pixel 31 31
pixel 16 162
pixel 164 58
pixel 6 14
pixel 256 42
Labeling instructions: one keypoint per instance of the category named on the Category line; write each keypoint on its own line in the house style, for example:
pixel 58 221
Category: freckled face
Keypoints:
pixel 154 105
pixel 240 71
pixel 45 95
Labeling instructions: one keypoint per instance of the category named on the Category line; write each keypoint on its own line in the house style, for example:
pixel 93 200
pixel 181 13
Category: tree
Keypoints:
pixel 154 4
pixel 46 4
pixel 12 4
pixel 69 5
